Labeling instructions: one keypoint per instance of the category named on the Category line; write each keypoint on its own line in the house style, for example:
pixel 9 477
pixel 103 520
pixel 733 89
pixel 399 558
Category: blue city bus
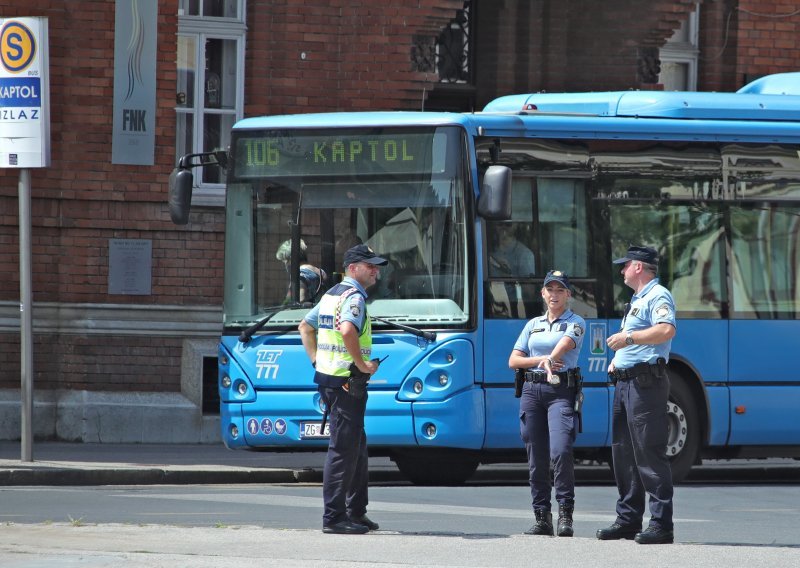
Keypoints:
pixel 711 180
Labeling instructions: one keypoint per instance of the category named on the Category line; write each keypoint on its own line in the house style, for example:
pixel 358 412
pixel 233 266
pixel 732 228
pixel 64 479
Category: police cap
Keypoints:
pixel 557 276
pixel 642 254
pixel 362 253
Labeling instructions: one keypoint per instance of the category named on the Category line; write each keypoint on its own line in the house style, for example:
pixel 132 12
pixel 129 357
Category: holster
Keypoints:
pixel 357 383
pixel 579 398
pixel 325 413
pixel 579 410
pixel 519 380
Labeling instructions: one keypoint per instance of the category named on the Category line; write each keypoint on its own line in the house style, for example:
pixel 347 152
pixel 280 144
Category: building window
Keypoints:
pixel 679 56
pixel 448 54
pixel 210 85
pixel 452 48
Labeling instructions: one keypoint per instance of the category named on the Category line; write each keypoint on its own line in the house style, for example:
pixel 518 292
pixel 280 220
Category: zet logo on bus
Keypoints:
pixel 17 47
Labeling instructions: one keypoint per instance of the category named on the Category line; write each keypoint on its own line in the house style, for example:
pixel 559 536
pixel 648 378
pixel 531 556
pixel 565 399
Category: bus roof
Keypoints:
pixel 657 104
pixel 774 97
pixel 767 110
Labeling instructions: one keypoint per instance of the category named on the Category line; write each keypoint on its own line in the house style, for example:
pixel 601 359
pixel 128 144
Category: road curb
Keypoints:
pixel 55 476
pixel 141 476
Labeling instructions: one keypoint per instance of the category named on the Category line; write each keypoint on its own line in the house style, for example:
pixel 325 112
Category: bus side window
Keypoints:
pixel 563 225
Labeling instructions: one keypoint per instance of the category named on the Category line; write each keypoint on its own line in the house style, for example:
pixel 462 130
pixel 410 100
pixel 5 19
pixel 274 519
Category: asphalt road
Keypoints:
pixel 763 515
pixel 473 526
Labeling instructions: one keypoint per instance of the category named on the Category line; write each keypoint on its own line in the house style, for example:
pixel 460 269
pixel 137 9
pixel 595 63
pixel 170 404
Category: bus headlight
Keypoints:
pixel 417 386
pixel 241 388
pixel 442 379
pixel 234 431
pixel 226 382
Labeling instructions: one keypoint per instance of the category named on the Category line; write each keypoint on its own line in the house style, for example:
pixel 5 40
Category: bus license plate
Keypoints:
pixel 312 430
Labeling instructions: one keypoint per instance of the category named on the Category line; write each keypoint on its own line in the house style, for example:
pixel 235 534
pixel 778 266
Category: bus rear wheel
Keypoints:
pixel 440 469
pixel 683 428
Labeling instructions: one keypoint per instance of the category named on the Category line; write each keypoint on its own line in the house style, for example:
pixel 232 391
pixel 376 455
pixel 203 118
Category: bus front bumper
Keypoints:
pixel 279 419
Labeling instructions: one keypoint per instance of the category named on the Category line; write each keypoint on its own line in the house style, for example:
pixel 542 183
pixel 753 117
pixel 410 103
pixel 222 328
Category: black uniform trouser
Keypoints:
pixel 346 474
pixel 639 451
pixel 547 426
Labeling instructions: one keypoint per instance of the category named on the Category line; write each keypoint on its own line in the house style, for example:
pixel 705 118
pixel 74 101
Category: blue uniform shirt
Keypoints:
pixel 539 337
pixel 353 312
pixel 654 304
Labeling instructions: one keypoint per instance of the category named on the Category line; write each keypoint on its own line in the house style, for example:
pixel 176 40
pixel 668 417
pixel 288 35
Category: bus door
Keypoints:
pixel 765 322
pixel 549 229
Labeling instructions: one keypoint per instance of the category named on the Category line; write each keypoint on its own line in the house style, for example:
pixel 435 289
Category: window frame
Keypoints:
pixel 202 29
pixel 683 52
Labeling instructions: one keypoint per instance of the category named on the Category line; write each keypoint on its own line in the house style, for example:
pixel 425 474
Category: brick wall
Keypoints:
pixel 96 362
pixel 83 200
pixel 339 55
pixel 766 38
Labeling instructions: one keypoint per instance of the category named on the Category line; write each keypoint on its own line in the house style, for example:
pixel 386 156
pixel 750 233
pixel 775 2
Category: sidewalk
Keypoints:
pixel 62 463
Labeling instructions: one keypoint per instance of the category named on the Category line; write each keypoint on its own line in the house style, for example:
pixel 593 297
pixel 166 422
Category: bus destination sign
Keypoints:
pixel 294 154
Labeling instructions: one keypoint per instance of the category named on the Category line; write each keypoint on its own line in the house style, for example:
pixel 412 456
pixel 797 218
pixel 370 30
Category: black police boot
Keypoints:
pixel 618 532
pixel 565 518
pixel 544 523
pixel 654 535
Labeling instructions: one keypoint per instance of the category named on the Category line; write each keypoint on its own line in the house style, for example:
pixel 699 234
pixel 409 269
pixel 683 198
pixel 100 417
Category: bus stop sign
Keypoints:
pixel 24 93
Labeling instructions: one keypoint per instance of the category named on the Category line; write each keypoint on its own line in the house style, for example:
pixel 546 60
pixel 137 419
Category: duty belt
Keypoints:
pixel 568 378
pixel 637 370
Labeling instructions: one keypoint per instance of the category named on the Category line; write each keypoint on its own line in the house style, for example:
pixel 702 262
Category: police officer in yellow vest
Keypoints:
pixel 337 333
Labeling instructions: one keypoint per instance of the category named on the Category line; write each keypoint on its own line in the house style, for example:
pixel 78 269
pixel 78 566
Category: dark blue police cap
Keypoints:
pixel 362 253
pixel 642 254
pixel 557 276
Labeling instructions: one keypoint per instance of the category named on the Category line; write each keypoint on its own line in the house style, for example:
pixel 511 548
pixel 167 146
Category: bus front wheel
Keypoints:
pixel 430 469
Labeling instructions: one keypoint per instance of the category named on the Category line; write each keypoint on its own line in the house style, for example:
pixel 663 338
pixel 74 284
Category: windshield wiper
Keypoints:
pixel 245 336
pixel 428 336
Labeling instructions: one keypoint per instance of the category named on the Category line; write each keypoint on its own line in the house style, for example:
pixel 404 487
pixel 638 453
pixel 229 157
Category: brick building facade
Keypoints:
pixel 115 367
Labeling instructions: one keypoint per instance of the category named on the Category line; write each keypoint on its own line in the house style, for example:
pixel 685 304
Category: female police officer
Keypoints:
pixel 547 352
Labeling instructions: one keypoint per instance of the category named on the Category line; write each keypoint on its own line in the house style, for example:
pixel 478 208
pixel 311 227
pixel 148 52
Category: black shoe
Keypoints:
pixel 366 521
pixel 543 525
pixel 655 535
pixel 345 527
pixel 618 532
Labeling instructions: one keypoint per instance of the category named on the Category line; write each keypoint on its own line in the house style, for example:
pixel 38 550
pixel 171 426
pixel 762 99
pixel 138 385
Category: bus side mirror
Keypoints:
pixel 180 195
pixel 494 202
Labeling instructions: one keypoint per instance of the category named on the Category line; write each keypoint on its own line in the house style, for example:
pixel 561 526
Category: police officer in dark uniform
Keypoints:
pixel 642 346
pixel 337 334
pixel 547 353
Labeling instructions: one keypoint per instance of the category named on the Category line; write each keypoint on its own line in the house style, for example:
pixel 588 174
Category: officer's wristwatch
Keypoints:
pixel 629 338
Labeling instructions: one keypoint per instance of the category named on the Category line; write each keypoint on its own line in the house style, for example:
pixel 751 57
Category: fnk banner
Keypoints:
pixel 135 33
pixel 24 93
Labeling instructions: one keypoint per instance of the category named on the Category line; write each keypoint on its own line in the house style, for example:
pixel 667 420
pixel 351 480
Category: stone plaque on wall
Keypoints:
pixel 130 266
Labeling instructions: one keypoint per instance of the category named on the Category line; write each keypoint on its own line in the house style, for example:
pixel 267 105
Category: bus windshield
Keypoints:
pixel 298 199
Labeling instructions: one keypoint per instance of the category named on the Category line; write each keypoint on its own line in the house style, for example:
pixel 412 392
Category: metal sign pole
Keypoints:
pixel 25 144
pixel 26 315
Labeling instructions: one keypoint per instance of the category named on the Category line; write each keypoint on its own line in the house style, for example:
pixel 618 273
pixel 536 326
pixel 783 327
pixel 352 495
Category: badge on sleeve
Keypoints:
pixel 578 331
pixel 355 309
pixel 663 311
